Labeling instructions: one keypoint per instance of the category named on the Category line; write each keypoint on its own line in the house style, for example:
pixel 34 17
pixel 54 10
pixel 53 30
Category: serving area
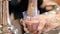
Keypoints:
pixel 46 23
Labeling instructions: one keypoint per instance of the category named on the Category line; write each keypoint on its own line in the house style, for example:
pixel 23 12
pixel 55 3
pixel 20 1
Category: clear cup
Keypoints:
pixel 31 22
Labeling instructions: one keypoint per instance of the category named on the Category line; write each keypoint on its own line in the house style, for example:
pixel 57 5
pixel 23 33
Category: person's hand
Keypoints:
pixel 35 24
pixel 44 22
pixel 52 24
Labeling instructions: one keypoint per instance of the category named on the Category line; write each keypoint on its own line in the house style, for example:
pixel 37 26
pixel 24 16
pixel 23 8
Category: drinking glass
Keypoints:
pixel 31 22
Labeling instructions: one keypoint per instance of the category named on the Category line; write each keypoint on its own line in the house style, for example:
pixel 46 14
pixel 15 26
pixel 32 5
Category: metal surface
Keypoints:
pixel 32 8
pixel 8 28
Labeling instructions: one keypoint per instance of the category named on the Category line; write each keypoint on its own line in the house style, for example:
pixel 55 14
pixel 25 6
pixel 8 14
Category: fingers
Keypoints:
pixel 25 29
pixel 45 24
pixel 51 25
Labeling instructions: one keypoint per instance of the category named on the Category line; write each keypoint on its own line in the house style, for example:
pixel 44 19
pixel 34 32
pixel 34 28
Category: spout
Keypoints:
pixel 32 8
pixel 6 19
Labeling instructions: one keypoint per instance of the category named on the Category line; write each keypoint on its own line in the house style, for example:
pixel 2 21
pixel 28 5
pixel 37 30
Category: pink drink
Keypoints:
pixel 32 25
